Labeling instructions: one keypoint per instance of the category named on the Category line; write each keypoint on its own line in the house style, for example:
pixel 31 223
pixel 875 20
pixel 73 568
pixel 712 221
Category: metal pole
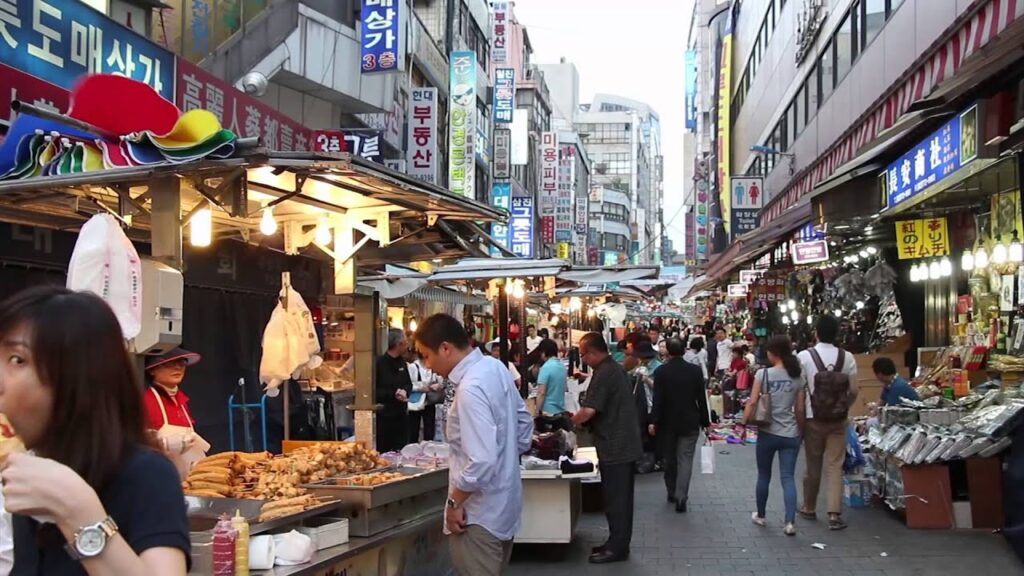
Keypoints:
pixel 503 334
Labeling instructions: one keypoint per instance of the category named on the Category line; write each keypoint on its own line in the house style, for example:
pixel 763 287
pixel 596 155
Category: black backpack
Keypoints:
pixel 831 397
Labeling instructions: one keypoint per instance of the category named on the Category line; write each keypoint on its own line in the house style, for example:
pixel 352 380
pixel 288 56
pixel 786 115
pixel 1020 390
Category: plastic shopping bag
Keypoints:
pixel 707 459
pixel 106 263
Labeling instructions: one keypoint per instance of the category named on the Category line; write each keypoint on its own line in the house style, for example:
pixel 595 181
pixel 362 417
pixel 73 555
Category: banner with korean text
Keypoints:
pixel 504 95
pixel 499 33
pixel 521 226
pixel 501 197
pixel 462 123
pixel 565 194
pixel 548 185
pixel 421 152
pixel 382 38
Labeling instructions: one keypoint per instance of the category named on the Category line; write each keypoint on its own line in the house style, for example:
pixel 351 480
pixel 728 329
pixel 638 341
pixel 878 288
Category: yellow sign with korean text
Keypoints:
pixel 563 250
pixel 922 238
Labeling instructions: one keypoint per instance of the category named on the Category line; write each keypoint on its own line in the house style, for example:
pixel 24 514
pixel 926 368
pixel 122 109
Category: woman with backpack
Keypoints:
pixel 780 416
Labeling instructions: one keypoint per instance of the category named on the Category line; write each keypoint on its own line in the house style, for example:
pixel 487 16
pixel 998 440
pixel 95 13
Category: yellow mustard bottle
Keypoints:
pixel 241 544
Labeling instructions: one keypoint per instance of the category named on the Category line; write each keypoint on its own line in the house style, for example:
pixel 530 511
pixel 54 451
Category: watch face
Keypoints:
pixel 91 541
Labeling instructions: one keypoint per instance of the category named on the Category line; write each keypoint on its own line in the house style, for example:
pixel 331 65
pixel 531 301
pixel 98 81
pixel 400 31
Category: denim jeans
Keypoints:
pixel 788 448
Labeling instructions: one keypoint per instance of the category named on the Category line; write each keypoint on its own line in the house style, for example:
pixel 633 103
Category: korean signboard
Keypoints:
pixel 382 36
pixel 582 215
pixel 237 111
pixel 362 143
pixel 810 252
pixel 749 276
pixel 948 149
pixel 769 289
pixel 504 95
pixel 521 227
pixel 691 89
pixel 462 123
pixel 421 153
pixel 809 232
pixel 59 41
pixel 388 123
pixel 747 200
pixel 725 130
pixel 565 194
pixel 502 153
pixel 499 33
pixel 736 291
pixel 501 197
pixel 564 252
pixel 922 238
pixel 690 241
pixel 702 229
pixel 329 141
pixel 548 185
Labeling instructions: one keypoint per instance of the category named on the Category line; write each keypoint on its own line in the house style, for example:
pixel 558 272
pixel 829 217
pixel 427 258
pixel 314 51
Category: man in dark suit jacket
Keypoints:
pixel 680 410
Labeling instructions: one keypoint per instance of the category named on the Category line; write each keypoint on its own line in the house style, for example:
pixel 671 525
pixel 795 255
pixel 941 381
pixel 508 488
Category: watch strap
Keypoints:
pixel 109 528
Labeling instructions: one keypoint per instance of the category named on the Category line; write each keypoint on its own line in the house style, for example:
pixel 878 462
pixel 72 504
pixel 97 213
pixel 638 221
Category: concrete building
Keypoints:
pixel 623 140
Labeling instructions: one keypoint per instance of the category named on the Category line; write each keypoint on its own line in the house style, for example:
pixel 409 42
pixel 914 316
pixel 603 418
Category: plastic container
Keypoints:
pixel 224 537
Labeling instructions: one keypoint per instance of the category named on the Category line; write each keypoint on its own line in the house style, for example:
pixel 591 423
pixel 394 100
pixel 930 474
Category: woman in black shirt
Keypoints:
pixel 96 497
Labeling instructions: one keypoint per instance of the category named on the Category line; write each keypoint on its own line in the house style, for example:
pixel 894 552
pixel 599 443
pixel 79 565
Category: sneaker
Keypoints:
pixel 789 530
pixel 806 514
pixel 757 519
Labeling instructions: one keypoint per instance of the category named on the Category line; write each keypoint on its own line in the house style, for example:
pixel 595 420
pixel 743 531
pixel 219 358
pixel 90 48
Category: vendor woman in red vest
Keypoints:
pixel 167 410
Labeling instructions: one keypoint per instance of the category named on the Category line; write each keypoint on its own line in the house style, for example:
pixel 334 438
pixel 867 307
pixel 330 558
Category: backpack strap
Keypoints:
pixel 817 359
pixel 839 361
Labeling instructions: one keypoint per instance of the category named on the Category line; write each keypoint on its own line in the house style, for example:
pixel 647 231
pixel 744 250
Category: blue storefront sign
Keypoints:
pixel 809 232
pixel 60 41
pixel 691 89
pixel 504 95
pixel 382 37
pixel 521 227
pixel 501 197
pixel 945 151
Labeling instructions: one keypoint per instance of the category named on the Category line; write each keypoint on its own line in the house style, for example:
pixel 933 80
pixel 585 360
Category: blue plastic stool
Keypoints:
pixel 261 407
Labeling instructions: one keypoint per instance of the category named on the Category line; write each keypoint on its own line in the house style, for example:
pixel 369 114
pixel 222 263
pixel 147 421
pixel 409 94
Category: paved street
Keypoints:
pixel 716 537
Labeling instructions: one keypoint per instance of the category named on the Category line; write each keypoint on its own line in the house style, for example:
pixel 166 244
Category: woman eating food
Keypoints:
pixel 94 496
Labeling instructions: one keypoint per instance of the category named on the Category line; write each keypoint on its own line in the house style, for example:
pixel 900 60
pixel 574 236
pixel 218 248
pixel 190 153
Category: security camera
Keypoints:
pixel 255 84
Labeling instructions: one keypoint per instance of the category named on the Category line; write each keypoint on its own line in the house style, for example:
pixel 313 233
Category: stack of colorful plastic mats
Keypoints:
pixel 133 126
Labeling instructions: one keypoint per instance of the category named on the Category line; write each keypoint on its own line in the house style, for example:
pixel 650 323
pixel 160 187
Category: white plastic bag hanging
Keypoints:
pixel 106 263
pixel 707 458
pixel 289 341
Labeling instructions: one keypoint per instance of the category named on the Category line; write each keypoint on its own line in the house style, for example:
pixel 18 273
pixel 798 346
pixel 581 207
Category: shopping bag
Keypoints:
pixel 707 459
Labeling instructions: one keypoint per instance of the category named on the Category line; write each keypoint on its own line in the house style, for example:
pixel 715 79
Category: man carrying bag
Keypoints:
pixel 831 389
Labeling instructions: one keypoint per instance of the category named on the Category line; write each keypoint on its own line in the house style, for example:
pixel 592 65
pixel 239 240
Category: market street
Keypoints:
pixel 716 537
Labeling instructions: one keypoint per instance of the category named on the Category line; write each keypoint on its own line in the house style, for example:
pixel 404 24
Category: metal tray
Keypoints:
pixel 295 518
pixel 417 481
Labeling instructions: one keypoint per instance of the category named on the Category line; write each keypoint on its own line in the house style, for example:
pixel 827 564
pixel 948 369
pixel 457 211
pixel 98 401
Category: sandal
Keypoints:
pixel 807 515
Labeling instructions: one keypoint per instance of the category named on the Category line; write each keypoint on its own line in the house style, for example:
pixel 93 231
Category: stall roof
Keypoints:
pixel 427 221
pixel 609 274
pixel 490 268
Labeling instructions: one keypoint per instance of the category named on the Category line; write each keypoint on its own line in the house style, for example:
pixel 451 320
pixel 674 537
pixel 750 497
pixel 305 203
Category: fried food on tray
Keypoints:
pixel 372 479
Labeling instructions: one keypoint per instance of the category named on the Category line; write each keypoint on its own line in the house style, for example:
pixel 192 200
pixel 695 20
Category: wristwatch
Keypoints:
pixel 452 504
pixel 90 540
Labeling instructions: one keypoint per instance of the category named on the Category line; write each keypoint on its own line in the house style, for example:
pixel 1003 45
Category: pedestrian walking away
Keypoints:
pixel 680 411
pixel 488 429
pixel 611 413
pixel 777 403
pixel 830 374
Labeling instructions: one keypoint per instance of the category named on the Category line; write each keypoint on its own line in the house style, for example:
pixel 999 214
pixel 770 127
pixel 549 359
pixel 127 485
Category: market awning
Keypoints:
pixel 701 285
pixel 724 262
pixel 766 238
pixel 446 296
pixel 599 290
pixel 491 268
pixel 608 274
pixel 424 222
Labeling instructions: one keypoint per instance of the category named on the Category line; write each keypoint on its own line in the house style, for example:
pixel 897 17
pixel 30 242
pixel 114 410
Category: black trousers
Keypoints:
pixel 427 418
pixel 392 431
pixel 617 486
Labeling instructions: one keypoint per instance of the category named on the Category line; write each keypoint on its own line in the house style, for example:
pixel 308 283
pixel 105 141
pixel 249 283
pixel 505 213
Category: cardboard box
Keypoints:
pixel 856 492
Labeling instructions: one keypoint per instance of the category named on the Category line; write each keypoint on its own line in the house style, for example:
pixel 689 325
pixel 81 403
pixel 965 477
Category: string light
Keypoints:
pixel 980 258
pixel 201 228
pixel 1000 253
pixel 967 261
pixel 945 267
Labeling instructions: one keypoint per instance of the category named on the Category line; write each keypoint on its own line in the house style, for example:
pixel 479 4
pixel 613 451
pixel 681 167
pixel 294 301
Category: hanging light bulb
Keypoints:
pixel 509 286
pixel 519 292
pixel 795 316
pixel 791 303
pixel 413 325
pixel 915 275
pixel 785 320
pixel 1016 249
pixel 837 313
pixel 810 320
pixel 967 261
pixel 934 271
pixel 323 231
pixel 268 226
pixel 859 304
pixel 980 258
pixel 871 249
pixel 200 228
pixel 783 308
pixel 945 267
pixel 1000 253
pixel 863 253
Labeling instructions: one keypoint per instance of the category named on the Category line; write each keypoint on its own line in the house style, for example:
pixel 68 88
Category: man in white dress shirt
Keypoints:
pixel 488 428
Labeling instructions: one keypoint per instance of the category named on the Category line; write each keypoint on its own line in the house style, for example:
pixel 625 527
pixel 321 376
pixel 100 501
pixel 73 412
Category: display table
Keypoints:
pixel 552 502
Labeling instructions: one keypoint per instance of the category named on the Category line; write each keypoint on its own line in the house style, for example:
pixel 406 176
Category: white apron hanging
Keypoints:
pixel 176 440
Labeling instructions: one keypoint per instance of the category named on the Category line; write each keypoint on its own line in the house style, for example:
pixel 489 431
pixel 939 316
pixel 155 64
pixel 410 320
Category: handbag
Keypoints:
pixel 763 410
pixel 707 458
pixel 743 380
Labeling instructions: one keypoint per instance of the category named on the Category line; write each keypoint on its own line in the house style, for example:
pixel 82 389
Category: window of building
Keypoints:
pixel 845 51
pixel 783 131
pixel 826 74
pixel 799 112
pixel 810 90
pixel 872 19
pixel 893 5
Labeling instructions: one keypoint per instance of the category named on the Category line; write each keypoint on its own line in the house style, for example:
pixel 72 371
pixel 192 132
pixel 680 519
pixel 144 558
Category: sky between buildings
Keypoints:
pixel 632 48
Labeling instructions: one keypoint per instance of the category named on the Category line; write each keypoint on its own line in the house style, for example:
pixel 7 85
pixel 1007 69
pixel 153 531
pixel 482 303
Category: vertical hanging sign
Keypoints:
pixel 548 185
pixel 382 39
pixel 499 33
pixel 462 123
pixel 421 153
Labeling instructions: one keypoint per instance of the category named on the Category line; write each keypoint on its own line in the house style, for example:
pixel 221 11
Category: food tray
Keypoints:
pixel 294 518
pixel 416 481
pixel 325 531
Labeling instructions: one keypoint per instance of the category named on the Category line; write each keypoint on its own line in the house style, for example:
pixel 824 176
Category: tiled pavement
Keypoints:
pixel 716 537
